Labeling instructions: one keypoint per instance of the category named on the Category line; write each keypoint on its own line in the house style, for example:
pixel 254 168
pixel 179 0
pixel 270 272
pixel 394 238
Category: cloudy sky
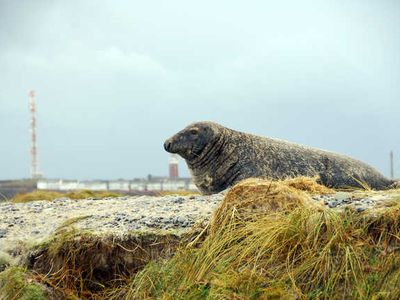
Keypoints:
pixel 114 79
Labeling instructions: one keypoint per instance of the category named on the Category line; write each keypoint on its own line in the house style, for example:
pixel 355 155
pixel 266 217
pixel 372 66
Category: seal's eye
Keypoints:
pixel 194 131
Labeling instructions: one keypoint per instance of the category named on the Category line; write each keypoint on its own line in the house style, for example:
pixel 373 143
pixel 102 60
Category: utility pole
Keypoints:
pixel 35 174
pixel 391 165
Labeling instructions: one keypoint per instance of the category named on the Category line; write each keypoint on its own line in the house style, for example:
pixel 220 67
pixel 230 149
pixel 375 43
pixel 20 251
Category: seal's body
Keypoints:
pixel 218 157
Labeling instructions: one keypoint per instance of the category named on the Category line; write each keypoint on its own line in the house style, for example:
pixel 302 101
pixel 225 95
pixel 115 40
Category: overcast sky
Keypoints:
pixel 114 79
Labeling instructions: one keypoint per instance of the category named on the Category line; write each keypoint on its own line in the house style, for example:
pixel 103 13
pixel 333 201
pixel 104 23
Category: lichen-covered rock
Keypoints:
pixel 36 221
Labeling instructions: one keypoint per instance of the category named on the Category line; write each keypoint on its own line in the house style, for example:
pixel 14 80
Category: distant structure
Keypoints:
pixel 173 166
pixel 391 165
pixel 136 186
pixel 35 174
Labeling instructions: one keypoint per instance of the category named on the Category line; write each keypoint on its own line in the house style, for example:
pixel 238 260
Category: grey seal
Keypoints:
pixel 219 157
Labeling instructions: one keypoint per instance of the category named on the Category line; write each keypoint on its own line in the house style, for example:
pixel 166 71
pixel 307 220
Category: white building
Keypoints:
pixel 136 185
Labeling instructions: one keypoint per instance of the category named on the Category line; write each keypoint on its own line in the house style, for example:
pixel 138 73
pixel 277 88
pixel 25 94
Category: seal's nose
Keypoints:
pixel 167 145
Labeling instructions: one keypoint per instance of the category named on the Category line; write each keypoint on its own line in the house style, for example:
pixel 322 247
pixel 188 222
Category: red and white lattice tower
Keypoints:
pixel 35 174
pixel 173 166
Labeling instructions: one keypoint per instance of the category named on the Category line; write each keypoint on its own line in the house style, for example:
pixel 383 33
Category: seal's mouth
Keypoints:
pixel 168 146
pixel 174 147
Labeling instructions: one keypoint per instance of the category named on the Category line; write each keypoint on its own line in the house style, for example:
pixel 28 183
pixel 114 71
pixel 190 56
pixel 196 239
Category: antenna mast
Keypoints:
pixel 35 174
pixel 391 165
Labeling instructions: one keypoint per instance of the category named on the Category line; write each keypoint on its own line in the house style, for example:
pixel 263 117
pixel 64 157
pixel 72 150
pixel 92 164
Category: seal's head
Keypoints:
pixel 192 140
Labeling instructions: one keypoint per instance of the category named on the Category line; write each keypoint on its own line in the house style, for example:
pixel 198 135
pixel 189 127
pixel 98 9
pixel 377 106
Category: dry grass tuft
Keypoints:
pixel 5 260
pixel 84 194
pixel 49 195
pixel 309 185
pixel 177 193
pixel 81 265
pixel 252 198
pixel 267 242
pixel 35 196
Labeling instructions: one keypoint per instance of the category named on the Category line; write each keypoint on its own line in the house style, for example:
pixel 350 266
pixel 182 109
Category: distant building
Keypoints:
pixel 173 166
pixel 138 185
pixel 150 184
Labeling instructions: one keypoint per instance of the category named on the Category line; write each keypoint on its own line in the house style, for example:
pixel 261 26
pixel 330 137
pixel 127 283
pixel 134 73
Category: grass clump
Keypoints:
pixel 92 194
pixel 17 283
pixel 5 260
pixel 178 193
pixel 49 195
pixel 36 195
pixel 308 184
pixel 80 265
pixel 267 240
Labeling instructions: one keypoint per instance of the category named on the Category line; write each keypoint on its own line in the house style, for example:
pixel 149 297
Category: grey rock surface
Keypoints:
pixel 356 201
pixel 37 220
